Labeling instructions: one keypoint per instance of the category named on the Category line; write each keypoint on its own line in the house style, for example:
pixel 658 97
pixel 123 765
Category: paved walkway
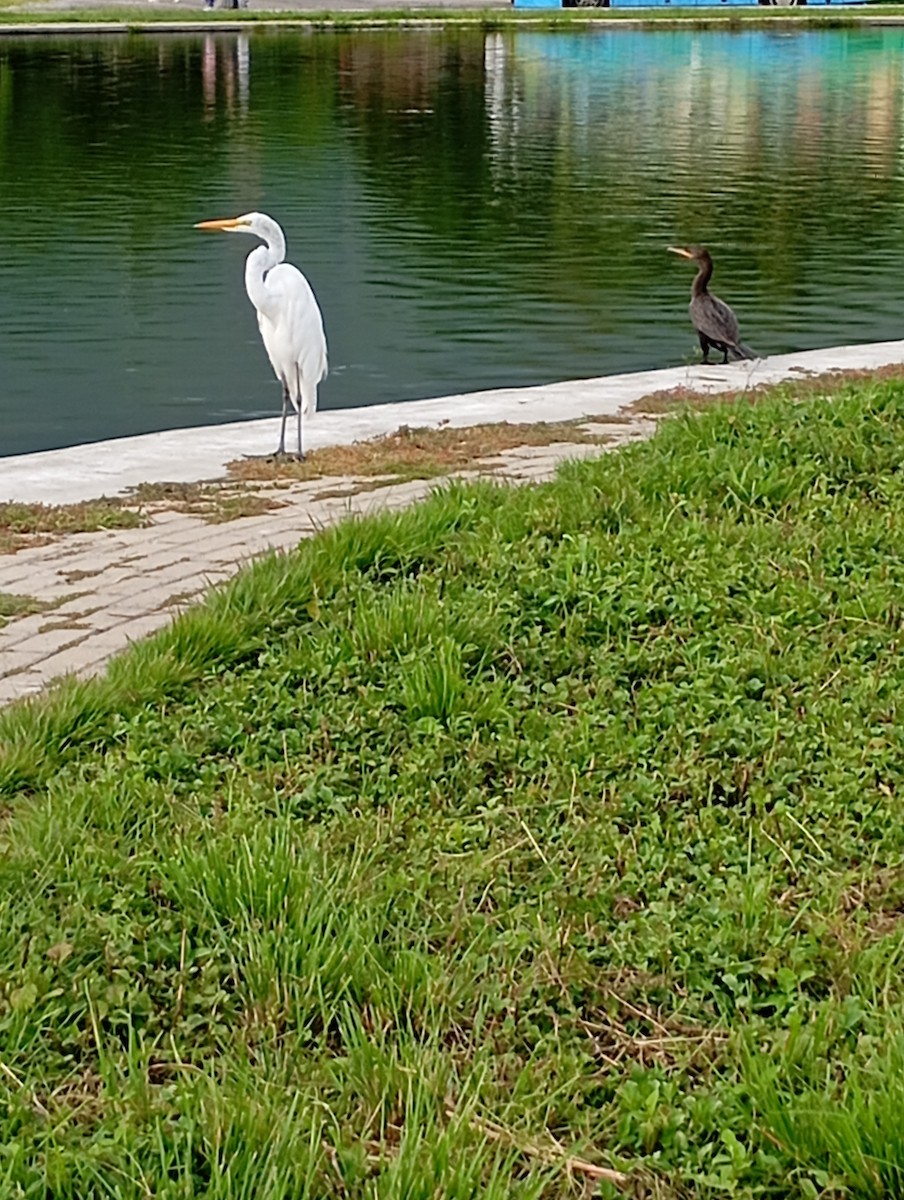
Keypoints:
pixel 112 587
pixel 109 588
pixel 184 455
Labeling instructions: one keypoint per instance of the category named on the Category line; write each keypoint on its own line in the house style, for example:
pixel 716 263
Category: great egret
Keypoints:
pixel 288 315
pixel 714 321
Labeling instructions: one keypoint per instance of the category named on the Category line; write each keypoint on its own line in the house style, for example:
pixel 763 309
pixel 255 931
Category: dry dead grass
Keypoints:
pixel 408 453
pixel 24 525
pixel 13 605
pixel 214 503
pixel 416 453
pixel 804 388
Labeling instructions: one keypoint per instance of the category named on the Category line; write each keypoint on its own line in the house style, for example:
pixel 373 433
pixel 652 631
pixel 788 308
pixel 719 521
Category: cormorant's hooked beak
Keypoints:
pixel 227 225
pixel 680 250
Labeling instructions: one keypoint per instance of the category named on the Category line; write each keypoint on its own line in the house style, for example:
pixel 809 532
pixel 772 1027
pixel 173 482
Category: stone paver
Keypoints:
pixel 108 468
pixel 116 589
pixel 109 588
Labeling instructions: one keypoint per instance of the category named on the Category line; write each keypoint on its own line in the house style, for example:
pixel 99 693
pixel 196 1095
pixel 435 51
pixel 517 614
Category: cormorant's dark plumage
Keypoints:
pixel 714 321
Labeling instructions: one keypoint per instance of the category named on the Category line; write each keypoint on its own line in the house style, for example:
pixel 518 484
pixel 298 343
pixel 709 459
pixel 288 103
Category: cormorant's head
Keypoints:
pixel 698 254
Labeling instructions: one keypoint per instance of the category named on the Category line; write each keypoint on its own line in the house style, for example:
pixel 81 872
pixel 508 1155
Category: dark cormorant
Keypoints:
pixel 715 323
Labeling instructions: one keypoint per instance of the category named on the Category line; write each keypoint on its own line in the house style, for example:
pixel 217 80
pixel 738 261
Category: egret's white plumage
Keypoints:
pixel 288 315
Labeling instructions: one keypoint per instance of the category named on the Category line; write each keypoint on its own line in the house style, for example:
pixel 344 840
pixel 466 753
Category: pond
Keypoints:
pixel 473 209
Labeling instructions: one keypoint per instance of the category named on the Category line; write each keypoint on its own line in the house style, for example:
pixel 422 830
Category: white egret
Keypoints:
pixel 288 315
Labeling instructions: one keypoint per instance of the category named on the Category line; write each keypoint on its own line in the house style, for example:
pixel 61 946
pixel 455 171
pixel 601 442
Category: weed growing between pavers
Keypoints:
pixel 13 605
pixel 213 502
pixel 522 824
pixel 420 453
pixel 407 454
pixel 33 524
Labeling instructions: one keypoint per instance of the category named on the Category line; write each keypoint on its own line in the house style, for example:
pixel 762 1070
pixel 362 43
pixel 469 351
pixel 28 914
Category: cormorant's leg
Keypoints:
pixel 281 449
pixel 704 346
pixel 724 355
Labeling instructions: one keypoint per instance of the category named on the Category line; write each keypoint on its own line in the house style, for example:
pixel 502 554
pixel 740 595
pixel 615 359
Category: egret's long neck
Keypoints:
pixel 258 263
pixel 702 278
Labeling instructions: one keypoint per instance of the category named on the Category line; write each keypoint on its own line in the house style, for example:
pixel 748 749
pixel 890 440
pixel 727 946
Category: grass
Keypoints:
pixel 13 605
pixel 839 1122
pixel 417 453
pixel 809 386
pixel 23 525
pixel 215 503
pixel 485 847
pixel 406 454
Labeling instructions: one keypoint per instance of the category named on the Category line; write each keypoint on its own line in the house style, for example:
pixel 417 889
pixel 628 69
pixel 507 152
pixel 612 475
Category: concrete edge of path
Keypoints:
pixel 91 594
pixel 191 455
pixel 97 592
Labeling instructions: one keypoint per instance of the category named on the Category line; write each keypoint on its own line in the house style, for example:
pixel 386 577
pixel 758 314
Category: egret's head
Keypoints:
pixel 249 223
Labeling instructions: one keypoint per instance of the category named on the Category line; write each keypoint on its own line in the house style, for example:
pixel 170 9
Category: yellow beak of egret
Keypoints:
pixel 225 224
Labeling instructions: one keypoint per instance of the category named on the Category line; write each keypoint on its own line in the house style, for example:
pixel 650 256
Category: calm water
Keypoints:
pixel 473 210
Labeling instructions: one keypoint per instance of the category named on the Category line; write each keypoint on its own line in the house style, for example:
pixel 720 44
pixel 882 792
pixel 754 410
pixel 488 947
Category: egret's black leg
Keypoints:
pixel 300 447
pixel 281 450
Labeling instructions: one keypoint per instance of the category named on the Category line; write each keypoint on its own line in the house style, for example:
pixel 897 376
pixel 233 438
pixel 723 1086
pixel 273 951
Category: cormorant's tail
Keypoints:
pixel 742 351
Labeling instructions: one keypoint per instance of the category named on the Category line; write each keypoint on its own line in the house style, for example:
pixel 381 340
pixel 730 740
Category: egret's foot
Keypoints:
pixel 276 456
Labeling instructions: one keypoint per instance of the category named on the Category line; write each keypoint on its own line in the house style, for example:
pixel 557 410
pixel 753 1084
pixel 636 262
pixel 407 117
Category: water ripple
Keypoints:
pixel 473 210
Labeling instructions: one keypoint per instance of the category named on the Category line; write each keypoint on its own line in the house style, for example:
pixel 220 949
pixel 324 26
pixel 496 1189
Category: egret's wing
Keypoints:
pixel 292 330
pixel 301 319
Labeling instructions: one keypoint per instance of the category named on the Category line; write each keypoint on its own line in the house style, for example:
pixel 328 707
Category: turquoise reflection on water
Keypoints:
pixel 473 210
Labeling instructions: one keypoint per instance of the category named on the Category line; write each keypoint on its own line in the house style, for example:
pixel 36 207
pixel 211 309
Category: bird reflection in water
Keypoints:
pixel 225 58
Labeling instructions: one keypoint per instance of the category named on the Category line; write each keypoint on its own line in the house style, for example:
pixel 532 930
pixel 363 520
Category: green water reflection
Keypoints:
pixel 473 210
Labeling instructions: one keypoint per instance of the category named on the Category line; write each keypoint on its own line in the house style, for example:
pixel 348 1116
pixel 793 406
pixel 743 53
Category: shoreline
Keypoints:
pixel 89 595
pixel 201 453
pixel 171 16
